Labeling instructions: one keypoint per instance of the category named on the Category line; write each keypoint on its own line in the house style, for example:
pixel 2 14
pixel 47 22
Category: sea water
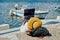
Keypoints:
pixel 15 21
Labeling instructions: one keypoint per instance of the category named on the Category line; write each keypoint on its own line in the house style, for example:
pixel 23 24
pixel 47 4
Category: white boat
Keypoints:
pixel 57 8
pixel 39 13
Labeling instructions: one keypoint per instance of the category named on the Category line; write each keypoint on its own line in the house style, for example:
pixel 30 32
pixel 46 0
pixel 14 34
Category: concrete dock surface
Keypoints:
pixel 54 29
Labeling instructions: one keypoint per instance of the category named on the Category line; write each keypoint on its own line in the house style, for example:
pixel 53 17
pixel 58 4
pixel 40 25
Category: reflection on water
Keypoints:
pixel 16 21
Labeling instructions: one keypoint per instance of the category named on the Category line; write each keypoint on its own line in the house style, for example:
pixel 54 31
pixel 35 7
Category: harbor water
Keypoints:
pixel 15 21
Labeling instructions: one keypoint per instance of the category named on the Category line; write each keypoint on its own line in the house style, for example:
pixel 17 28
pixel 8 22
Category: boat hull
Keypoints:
pixel 39 14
